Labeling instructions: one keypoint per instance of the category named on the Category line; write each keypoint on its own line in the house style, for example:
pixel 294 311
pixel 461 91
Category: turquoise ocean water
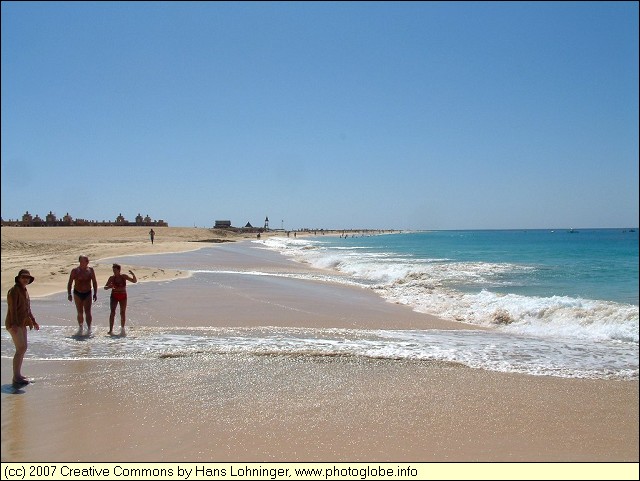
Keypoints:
pixel 582 282
pixel 575 291
pixel 545 302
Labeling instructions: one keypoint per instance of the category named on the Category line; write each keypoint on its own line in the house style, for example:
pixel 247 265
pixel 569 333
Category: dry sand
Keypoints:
pixel 51 252
pixel 240 407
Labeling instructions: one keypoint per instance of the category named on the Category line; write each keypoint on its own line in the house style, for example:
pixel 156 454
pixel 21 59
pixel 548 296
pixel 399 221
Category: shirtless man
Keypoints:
pixel 84 277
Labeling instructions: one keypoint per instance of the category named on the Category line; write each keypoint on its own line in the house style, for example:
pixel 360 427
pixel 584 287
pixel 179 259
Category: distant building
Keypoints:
pixel 37 221
pixel 51 220
pixel 27 219
pixel 222 224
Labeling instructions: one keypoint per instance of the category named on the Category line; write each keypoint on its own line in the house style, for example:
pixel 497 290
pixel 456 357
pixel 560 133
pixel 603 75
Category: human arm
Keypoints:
pixel 30 319
pixel 109 283
pixel 133 279
pixel 31 322
pixel 69 284
pixel 94 281
pixel 19 313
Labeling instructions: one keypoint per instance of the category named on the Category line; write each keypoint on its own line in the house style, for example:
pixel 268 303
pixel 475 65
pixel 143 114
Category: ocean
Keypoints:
pixel 568 296
pixel 576 281
pixel 543 302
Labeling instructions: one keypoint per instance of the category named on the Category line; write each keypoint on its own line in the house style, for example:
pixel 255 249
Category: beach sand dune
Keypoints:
pixel 198 406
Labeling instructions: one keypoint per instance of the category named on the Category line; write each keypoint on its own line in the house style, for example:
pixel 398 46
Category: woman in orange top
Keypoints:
pixel 19 316
pixel 118 283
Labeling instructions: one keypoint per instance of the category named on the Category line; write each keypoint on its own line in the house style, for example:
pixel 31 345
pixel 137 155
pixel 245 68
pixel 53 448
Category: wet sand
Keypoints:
pixel 268 408
pixel 252 407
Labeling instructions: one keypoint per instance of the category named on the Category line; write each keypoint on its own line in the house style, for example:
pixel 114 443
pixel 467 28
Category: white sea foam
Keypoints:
pixel 470 292
pixel 476 349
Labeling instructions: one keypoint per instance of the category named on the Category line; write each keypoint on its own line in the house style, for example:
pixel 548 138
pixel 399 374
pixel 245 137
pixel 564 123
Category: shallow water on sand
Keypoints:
pixel 172 319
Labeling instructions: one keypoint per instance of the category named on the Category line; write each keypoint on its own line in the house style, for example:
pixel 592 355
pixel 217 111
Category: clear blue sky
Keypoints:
pixel 323 115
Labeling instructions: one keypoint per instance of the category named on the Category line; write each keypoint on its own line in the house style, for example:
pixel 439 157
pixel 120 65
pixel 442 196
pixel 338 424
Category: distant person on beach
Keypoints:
pixel 19 316
pixel 152 234
pixel 82 278
pixel 118 283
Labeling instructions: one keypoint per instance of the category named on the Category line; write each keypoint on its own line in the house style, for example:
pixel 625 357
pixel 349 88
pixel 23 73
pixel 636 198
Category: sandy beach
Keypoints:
pixel 53 251
pixel 268 407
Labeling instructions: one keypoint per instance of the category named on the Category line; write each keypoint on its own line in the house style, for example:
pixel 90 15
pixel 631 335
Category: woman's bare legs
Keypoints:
pixel 19 336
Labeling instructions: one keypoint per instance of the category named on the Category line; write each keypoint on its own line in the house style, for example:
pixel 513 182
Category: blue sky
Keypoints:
pixel 323 115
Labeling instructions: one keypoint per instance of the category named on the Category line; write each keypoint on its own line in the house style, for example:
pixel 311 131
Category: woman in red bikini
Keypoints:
pixel 118 283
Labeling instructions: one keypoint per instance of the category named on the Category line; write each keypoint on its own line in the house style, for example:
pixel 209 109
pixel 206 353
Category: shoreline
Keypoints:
pixel 52 252
pixel 259 407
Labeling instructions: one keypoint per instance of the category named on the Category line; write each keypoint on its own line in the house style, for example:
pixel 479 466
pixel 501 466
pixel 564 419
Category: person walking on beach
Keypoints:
pixel 19 317
pixel 152 234
pixel 83 278
pixel 118 285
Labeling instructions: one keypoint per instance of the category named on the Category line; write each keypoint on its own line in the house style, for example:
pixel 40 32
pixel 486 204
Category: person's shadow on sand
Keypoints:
pixel 12 389
pixel 81 337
